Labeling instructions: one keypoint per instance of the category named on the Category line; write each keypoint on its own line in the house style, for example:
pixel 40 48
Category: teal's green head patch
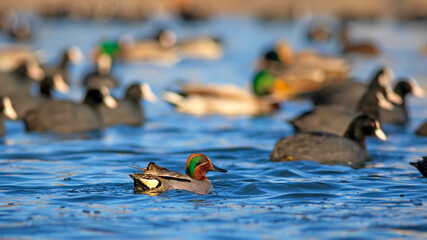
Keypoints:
pixel 193 163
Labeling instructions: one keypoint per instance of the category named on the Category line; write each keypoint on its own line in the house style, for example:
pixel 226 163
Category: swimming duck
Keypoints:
pixel 70 55
pixel 20 80
pixel 399 115
pixel 327 148
pixel 67 116
pixel 305 71
pixel 335 119
pixel 361 47
pixel 160 49
pixel 8 111
pixel 129 110
pixel 226 99
pixel 101 76
pixel 349 93
pixel 200 48
pixel 422 130
pixel 318 33
pixel 24 103
pixel 11 56
pixel 421 166
pixel 156 179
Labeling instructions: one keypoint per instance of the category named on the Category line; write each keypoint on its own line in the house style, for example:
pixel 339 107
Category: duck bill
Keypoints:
pixel 217 169
pixel 393 97
pixel 35 72
pixel 147 94
pixel 8 110
pixel 383 103
pixel 60 84
pixel 109 101
pixel 416 89
pixel 379 133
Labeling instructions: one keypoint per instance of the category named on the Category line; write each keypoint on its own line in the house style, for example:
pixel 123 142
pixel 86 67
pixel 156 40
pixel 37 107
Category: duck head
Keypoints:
pixel 382 80
pixel 405 86
pixel 30 70
pixel 95 97
pixel 198 165
pixel 166 38
pixel 263 83
pixel 53 82
pixel 138 91
pixel 363 126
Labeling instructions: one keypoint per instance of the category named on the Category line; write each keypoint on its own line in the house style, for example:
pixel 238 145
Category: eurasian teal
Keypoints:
pixel 226 99
pixel 156 179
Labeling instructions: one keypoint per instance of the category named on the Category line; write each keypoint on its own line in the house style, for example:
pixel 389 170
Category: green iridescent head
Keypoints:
pixel 263 83
pixel 110 47
pixel 198 165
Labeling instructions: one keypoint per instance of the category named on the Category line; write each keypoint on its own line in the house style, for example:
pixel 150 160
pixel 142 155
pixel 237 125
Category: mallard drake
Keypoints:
pixel 305 71
pixel 156 179
pixel 226 99
pixel 200 48
pixel 8 111
pixel 129 110
pixel 160 49
pixel 421 166
pixel 327 148
pixel 399 115
pixel 24 103
pixel 70 55
pixel 11 56
pixel 69 117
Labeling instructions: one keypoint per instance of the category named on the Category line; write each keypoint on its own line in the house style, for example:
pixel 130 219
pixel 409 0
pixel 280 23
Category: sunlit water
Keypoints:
pixel 77 186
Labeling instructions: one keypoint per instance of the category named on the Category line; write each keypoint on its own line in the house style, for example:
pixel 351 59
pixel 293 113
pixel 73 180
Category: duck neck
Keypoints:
pixel 355 133
pixel 369 105
pixel 64 61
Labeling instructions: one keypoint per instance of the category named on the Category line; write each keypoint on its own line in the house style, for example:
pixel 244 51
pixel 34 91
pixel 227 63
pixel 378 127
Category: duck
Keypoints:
pixel 362 47
pixel 68 116
pixel 422 130
pixel 327 148
pixel 421 166
pixel 7 111
pixel 73 55
pixel 101 77
pixel 349 93
pixel 335 119
pixel 399 115
pixel 226 99
pixel 158 49
pixel 156 179
pixel 13 55
pixel 200 48
pixel 129 110
pixel 318 33
pixel 19 81
pixel 24 103
pixel 304 71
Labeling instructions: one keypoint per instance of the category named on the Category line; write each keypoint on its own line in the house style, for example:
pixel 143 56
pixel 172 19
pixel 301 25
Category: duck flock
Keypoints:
pixel 345 110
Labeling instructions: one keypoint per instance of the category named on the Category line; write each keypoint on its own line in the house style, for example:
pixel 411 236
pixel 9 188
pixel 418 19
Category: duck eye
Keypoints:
pixel 373 124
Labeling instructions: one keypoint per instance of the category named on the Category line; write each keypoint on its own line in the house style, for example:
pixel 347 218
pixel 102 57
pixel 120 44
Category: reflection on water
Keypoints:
pixel 78 185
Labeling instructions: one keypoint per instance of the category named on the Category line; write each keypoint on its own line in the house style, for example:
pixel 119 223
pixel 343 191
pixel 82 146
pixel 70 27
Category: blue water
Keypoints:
pixel 77 186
